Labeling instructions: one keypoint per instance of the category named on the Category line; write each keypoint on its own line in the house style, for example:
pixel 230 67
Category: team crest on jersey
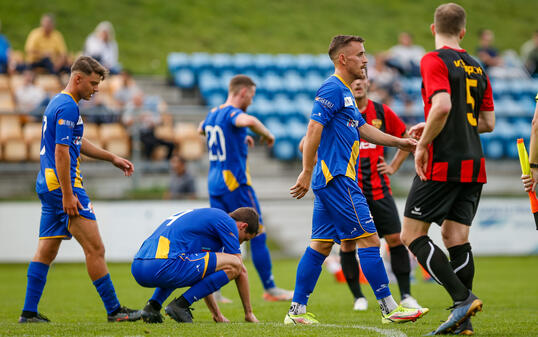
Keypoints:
pixel 348 101
pixel 377 123
pixel 77 140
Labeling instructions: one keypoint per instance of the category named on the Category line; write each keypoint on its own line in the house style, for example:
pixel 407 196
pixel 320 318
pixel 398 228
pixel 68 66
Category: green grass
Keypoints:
pixel 507 285
pixel 147 30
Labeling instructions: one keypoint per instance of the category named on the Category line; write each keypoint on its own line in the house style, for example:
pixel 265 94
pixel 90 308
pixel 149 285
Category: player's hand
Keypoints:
pixel 71 205
pixel 383 167
pixel 221 319
pixel 249 140
pixel 302 185
pixel 123 164
pixel 251 318
pixel 416 130
pixel 268 139
pixel 421 161
pixel 407 144
pixel 528 183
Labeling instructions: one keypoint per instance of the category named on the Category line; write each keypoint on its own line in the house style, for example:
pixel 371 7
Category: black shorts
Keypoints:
pixel 436 201
pixel 385 215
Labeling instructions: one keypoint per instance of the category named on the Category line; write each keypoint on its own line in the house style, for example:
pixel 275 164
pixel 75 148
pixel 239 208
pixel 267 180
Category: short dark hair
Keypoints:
pixel 449 19
pixel 249 216
pixel 239 82
pixel 88 65
pixel 340 41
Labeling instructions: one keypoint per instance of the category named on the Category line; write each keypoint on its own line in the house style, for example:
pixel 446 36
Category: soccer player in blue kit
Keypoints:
pixel 340 209
pixel 66 210
pixel 198 249
pixel 229 180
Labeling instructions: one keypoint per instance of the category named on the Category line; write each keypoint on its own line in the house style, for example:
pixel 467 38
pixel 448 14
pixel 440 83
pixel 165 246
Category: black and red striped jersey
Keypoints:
pixel 456 153
pixel 373 184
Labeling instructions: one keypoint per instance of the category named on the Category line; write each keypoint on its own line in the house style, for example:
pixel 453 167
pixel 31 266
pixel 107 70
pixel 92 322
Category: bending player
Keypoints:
pixel 340 209
pixel 197 249
pixel 229 180
pixel 66 210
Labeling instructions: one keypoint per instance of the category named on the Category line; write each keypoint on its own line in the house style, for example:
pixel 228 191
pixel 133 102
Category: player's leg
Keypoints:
pixel 219 268
pixel 261 256
pixel 52 229
pixel 86 231
pixel 350 268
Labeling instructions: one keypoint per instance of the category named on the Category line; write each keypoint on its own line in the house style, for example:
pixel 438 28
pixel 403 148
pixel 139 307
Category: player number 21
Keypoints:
pixel 470 100
pixel 215 143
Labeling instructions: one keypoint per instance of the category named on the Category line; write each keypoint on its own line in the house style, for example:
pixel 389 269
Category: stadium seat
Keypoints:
pixel 285 62
pixel 4 82
pixel 222 62
pixel 177 61
pixel 285 149
pixel 10 127
pixel 115 139
pixel 185 130
pixel 243 63
pixel 32 137
pixel 7 104
pixel 16 81
pixel 184 78
pixel 305 63
pixel 14 150
pixel 50 83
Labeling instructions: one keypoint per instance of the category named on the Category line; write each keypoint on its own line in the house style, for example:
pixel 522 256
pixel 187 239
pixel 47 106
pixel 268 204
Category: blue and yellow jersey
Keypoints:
pixel 192 231
pixel 227 148
pixel 335 108
pixel 62 124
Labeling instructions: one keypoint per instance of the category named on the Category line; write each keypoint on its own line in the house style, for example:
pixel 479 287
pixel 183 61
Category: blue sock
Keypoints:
pixel 308 272
pixel 374 271
pixel 161 294
pixel 105 288
pixel 37 277
pixel 262 260
pixel 206 286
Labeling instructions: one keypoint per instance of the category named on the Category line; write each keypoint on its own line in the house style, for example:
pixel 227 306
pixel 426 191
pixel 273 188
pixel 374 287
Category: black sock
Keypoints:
pixel 399 261
pixel 182 302
pixel 436 263
pixel 155 305
pixel 462 262
pixel 115 311
pixel 350 267
pixel 28 314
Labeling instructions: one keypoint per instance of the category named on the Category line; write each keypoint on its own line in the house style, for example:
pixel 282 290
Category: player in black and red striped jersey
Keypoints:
pixel 450 164
pixel 373 178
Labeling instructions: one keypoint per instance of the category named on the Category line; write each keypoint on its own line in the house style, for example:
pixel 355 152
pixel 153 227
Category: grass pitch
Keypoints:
pixel 507 285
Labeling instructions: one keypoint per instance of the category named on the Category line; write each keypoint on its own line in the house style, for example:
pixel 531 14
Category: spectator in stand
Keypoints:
pixel 30 98
pixel 182 184
pixel 486 52
pixel 128 90
pixel 142 121
pixel 5 50
pixel 529 54
pixel 405 56
pixel 99 110
pixel 102 46
pixel 45 47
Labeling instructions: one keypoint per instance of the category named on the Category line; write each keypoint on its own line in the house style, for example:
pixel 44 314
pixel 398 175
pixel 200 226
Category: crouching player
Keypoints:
pixel 198 249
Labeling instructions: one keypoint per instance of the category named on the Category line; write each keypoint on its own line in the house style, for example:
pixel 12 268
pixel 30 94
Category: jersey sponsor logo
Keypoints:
pixel 79 122
pixel 353 123
pixel 348 101
pixel 66 122
pixel 377 123
pixel 365 145
pixel 468 69
pixel 325 102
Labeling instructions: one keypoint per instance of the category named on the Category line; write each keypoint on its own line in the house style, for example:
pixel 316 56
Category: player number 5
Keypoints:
pixel 470 100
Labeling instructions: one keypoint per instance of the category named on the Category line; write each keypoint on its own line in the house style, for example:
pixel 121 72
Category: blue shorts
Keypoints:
pixel 243 196
pixel 54 221
pixel 341 212
pixel 183 271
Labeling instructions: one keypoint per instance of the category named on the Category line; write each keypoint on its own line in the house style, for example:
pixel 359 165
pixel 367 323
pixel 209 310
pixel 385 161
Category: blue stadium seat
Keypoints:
pixel 177 61
pixel 304 104
pixel 313 81
pixel 293 82
pixel 184 78
pixel 324 65
pixel 215 99
pixel 285 149
pixel 222 63
pixel 305 63
pixel 208 83
pixel 296 129
pixel 264 63
pixel 271 82
pixel 276 127
pixel 200 62
pixel 285 62
pixel 243 63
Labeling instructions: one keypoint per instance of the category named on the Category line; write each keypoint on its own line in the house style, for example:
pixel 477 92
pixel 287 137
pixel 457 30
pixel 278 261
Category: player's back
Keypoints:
pixel 227 150
pixel 192 231
pixel 62 124
pixel 457 151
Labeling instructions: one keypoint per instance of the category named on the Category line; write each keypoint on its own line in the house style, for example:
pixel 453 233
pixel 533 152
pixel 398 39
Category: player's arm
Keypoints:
pixel 214 308
pixel 62 158
pixel 396 161
pixel 310 148
pixel 530 181
pixel 374 135
pixel 437 118
pixel 201 130
pixel 244 293
pixel 254 124
pixel 91 150
pixel 486 121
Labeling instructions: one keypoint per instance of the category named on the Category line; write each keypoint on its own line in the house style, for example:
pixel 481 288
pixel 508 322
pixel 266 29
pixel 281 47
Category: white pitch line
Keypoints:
pixel 381 332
